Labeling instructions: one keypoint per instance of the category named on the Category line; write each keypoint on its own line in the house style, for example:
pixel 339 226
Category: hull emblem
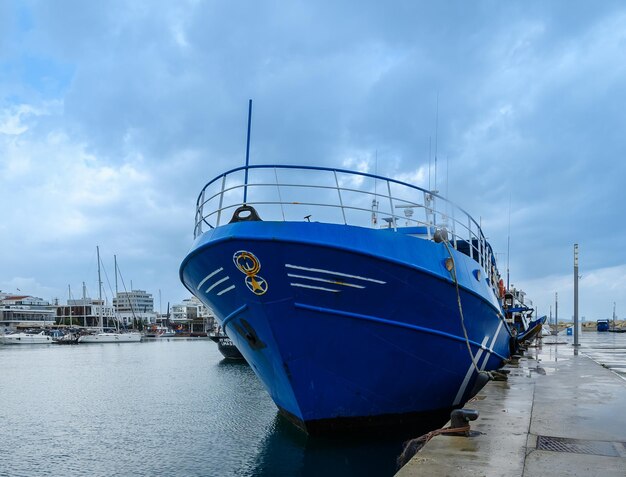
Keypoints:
pixel 247 263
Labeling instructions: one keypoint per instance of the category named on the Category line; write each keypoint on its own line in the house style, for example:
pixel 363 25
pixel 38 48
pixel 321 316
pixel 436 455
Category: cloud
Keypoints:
pixel 598 290
pixel 113 116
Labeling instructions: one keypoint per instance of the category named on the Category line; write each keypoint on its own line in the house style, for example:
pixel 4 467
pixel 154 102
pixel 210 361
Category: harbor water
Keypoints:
pixel 164 407
pixel 174 407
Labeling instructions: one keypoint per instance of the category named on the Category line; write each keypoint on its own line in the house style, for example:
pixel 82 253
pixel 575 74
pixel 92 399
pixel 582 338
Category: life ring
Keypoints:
pixel 501 288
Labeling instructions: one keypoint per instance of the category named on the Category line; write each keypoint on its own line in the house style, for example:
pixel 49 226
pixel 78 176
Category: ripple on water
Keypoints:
pixel 157 408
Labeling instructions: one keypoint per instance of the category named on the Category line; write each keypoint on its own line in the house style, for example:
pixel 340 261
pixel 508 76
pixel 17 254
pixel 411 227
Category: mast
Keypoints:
pixel 245 182
pixel 508 246
pixel 116 303
pixel 99 289
pixel 436 140
pixel 84 307
pixel 69 297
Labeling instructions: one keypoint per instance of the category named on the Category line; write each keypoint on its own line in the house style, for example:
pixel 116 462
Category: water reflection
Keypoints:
pixel 287 451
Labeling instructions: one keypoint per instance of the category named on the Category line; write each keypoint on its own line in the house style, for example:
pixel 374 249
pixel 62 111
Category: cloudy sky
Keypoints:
pixel 114 114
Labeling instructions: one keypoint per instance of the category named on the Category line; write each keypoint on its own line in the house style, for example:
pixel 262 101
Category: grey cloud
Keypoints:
pixel 529 107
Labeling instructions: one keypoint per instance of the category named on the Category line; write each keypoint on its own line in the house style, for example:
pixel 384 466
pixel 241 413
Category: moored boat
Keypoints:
pixel 111 337
pixel 349 325
pixel 69 337
pixel 158 331
pixel 26 337
pixel 602 325
pixel 100 335
pixel 226 346
pixel 533 330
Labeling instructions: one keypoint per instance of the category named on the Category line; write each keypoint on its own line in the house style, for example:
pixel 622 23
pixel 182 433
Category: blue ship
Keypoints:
pixel 361 302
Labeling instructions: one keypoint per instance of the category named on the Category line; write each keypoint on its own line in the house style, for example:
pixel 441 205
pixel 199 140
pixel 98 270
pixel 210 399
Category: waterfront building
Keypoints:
pixel 135 305
pixel 86 312
pixel 24 311
pixel 193 315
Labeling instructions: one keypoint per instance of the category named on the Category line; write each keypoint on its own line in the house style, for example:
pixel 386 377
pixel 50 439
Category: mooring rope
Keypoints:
pixel 413 446
pixel 458 299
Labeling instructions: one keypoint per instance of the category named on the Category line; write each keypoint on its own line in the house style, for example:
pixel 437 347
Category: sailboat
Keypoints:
pixel 107 336
pixel 70 336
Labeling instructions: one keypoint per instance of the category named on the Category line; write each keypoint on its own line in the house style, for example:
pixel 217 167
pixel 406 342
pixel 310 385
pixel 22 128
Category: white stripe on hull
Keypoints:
pixel 216 284
pixel 317 279
pixel 493 342
pixel 468 375
pixel 302 285
pixel 320 270
pixel 213 273
pixel 225 290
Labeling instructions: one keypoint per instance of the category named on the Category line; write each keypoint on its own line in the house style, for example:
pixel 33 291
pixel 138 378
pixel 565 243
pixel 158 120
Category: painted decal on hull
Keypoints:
pixel 247 263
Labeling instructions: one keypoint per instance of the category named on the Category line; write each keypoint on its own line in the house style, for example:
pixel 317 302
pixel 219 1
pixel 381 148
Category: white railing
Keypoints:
pixel 298 193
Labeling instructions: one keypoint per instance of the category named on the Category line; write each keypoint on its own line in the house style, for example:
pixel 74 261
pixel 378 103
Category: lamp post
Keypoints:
pixel 576 343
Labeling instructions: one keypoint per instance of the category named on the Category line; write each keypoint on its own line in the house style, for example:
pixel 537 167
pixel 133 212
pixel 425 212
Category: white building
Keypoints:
pixel 135 305
pixel 24 311
pixel 193 315
pixel 190 309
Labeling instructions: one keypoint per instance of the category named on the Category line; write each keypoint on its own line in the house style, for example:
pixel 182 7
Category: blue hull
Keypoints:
pixel 534 330
pixel 349 325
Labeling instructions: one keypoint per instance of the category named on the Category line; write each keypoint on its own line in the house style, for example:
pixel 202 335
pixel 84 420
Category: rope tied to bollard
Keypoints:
pixel 413 446
pixel 459 426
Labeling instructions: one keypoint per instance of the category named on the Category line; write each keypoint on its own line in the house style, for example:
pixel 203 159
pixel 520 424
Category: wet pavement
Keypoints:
pixel 562 412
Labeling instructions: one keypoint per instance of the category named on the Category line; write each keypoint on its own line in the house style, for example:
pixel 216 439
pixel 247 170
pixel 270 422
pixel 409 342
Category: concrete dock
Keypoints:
pixel 562 412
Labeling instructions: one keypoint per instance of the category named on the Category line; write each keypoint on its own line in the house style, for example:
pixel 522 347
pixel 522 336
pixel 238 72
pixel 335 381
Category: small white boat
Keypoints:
pixel 111 337
pixel 156 331
pixel 26 338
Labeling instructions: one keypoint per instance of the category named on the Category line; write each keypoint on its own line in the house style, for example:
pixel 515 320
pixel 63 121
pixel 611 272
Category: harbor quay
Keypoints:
pixel 561 412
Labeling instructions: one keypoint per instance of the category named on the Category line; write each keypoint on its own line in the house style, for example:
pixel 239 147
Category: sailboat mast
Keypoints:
pixel 69 297
pixel 99 288
pixel 84 307
pixel 116 305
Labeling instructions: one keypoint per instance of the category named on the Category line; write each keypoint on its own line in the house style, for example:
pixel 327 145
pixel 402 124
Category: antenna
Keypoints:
pixel 447 175
pixel 375 170
pixel 508 245
pixel 245 181
pixel 436 138
pixel 429 159
pixel 375 199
